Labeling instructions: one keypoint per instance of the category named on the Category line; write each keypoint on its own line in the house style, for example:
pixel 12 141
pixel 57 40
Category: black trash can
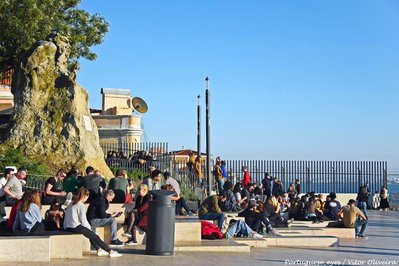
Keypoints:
pixel 161 224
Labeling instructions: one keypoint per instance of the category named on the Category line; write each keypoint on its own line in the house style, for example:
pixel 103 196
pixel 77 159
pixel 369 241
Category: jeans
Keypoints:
pixel 363 224
pixel 362 205
pixel 105 221
pixel 239 227
pixel 213 216
pixel 181 203
pixel 257 223
pixel 220 184
pixel 95 240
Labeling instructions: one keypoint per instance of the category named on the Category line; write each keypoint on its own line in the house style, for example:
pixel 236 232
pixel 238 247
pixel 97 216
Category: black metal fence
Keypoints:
pixel 318 176
pixel 136 155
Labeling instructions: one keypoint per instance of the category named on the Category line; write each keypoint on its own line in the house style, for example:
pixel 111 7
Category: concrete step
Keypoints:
pixel 302 241
pixel 220 245
pixel 253 243
pixel 41 248
pixel 324 231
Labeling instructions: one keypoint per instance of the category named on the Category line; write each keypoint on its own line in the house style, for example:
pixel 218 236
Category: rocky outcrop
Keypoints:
pixel 52 120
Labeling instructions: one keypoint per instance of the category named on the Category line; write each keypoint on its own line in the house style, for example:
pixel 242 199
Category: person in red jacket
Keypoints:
pixel 247 176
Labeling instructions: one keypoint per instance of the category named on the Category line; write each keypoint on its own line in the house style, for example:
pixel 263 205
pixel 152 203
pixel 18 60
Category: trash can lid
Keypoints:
pixel 162 196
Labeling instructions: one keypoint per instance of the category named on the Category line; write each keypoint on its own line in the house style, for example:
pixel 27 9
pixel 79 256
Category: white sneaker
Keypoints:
pixel 256 236
pixel 127 234
pixel 102 253
pixel 273 232
pixel 115 254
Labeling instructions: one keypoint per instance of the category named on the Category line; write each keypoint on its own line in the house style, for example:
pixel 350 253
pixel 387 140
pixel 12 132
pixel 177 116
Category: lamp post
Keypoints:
pixel 208 137
pixel 199 126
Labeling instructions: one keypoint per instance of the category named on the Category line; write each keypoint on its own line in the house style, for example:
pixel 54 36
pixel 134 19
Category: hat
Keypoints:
pixel 252 203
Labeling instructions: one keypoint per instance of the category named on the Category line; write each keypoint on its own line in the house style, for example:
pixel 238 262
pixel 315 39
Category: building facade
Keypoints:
pixel 116 121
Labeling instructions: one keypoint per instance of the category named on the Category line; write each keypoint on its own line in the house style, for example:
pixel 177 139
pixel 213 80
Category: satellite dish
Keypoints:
pixel 139 105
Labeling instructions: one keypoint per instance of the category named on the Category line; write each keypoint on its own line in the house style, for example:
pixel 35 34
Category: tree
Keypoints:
pixel 24 22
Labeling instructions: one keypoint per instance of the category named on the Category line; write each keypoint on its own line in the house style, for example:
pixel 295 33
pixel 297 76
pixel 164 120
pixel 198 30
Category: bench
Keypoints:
pixel 185 231
pixel 40 248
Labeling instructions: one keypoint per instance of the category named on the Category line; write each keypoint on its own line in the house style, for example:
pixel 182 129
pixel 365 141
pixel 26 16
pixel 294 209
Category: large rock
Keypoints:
pixel 52 120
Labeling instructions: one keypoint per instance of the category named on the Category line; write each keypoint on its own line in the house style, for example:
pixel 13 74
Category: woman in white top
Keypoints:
pixel 75 221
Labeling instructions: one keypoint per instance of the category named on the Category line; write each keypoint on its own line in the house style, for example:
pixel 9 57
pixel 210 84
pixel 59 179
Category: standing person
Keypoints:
pixel 384 204
pixel 52 190
pixel 376 200
pixel 277 187
pixel 13 187
pixel 247 177
pixel 217 172
pixel 362 199
pixel 267 185
pixel 350 218
pixel 153 182
pixel 120 186
pixel 210 210
pixel 223 167
pixel 75 221
pixel 198 170
pixel 298 186
pixel 191 161
pixel 28 219
pixel 97 216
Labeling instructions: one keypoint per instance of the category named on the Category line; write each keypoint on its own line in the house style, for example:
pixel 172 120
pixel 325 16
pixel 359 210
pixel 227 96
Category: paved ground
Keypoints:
pixel 381 248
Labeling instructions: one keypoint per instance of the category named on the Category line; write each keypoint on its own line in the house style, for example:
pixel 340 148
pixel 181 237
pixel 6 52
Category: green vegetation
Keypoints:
pixel 188 194
pixel 16 157
pixel 135 174
pixel 24 22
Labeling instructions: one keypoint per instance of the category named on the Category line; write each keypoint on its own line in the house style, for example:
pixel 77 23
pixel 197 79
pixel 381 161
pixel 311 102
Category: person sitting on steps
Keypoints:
pixel 139 215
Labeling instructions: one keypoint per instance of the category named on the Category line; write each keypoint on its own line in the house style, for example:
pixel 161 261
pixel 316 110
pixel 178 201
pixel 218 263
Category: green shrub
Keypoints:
pixel 135 174
pixel 16 157
pixel 188 194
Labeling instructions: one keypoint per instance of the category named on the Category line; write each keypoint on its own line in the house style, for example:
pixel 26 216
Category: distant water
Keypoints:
pixel 393 188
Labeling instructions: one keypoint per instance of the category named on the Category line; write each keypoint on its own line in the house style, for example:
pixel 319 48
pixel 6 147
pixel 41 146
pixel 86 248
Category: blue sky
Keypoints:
pixel 289 80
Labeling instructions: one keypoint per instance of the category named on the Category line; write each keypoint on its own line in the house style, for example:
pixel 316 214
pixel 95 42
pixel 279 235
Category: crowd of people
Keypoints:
pixel 138 157
pixel 264 206
pixel 269 205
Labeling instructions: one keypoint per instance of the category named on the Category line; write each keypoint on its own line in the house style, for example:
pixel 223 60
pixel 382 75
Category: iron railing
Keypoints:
pixel 318 176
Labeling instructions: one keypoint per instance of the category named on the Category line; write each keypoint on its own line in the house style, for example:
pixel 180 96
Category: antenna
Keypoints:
pixel 139 105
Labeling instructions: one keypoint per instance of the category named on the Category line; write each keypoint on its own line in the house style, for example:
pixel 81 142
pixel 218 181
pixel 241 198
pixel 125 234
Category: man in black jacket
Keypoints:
pixel 97 216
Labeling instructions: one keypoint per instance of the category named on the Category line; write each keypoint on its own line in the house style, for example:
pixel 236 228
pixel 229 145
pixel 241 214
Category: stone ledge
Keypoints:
pixel 40 248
